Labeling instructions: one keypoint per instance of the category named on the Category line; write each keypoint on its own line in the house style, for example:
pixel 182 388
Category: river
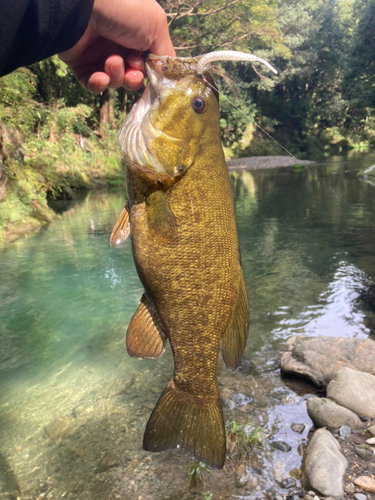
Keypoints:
pixel 73 405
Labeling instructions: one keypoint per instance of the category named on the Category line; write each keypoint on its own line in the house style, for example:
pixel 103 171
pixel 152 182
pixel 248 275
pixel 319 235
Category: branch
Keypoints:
pixel 202 14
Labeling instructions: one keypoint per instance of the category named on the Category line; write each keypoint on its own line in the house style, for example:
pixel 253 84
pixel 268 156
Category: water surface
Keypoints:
pixel 66 298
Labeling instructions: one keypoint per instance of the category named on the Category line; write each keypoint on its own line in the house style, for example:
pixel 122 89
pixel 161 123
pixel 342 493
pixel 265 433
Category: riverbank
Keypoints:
pixel 263 162
pixel 34 172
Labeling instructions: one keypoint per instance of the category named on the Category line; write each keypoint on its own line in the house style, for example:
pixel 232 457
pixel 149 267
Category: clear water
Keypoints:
pixel 73 405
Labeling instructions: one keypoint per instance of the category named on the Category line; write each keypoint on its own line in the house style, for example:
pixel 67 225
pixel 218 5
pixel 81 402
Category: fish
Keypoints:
pixel 181 218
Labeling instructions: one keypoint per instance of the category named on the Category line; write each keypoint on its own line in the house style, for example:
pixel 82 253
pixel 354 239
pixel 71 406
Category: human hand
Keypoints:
pixel 109 54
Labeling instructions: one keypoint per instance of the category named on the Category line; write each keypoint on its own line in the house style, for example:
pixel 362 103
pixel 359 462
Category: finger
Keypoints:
pixel 135 60
pixel 133 79
pixel 115 69
pixel 96 82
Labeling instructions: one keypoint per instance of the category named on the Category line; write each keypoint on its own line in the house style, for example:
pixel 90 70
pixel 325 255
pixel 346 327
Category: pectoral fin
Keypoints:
pixel 234 339
pixel 122 228
pixel 145 337
pixel 160 218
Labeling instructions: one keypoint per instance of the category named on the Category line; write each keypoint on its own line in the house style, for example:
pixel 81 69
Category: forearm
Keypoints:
pixel 31 30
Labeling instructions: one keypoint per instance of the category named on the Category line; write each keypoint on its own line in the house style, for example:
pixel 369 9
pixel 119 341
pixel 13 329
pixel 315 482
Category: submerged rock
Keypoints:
pixel 355 390
pixel 326 413
pixel 298 428
pixel 320 358
pixel 288 483
pixel 241 476
pixel 281 445
pixel 324 466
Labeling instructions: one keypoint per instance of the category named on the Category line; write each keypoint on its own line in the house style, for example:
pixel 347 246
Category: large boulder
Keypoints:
pixel 354 390
pixel 320 358
pixel 324 466
pixel 326 413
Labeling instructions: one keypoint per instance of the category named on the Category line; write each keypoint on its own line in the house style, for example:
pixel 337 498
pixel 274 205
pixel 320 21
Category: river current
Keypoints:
pixel 73 405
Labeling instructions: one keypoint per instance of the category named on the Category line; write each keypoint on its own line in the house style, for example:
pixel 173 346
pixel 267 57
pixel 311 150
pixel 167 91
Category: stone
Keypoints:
pixel 288 483
pixel 345 431
pixel 365 454
pixel 298 428
pixel 320 358
pixel 324 466
pixel 371 430
pixel 360 496
pixel 241 476
pixel 60 428
pixel 308 497
pixel 281 445
pixel 355 390
pixel 296 473
pixel 326 413
pixel 366 483
pixel 280 497
pixel 370 441
pixel 350 489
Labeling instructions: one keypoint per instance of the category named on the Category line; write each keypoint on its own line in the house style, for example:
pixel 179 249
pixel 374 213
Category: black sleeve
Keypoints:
pixel 31 30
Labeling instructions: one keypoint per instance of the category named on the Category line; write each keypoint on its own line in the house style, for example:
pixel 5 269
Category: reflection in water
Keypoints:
pixel 307 243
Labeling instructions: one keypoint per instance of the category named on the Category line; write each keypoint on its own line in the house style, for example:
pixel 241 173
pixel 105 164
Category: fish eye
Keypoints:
pixel 199 104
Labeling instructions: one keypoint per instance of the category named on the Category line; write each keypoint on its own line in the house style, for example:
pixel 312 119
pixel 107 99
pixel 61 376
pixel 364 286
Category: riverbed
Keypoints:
pixel 73 405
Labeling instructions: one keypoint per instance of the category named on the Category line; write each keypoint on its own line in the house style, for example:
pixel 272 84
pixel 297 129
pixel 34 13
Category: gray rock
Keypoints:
pixel 288 483
pixel 60 428
pixel 320 358
pixel 326 413
pixel 280 497
pixel 360 496
pixel 298 428
pixel 355 390
pixel 345 431
pixel 365 454
pixel 324 466
pixel 370 441
pixel 281 445
pixel 371 430
pixel 241 476
pixel 350 488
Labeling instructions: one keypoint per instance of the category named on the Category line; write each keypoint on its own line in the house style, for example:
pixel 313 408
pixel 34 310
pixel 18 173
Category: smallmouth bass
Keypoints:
pixel 181 217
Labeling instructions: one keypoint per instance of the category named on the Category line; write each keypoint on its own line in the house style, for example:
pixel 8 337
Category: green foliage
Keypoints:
pixel 207 495
pixel 242 440
pixel 196 473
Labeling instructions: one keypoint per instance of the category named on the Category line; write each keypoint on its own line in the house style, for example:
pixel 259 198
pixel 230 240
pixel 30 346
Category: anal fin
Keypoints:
pixel 160 217
pixel 122 228
pixel 145 337
pixel 234 339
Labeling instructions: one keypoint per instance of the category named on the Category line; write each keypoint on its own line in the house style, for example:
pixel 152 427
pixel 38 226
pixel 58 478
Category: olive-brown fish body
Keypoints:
pixel 194 289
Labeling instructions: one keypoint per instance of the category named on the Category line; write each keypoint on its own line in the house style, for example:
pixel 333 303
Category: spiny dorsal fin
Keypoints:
pixel 122 228
pixel 234 339
pixel 145 337
pixel 160 218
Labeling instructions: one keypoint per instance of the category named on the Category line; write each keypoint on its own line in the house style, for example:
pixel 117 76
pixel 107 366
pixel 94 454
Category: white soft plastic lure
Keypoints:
pixel 229 55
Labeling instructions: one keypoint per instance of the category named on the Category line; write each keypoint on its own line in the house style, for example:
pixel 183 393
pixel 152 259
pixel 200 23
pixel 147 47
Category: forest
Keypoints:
pixel 55 137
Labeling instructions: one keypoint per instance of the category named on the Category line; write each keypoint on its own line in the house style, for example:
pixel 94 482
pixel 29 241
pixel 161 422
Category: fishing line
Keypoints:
pixel 252 121
pixel 276 141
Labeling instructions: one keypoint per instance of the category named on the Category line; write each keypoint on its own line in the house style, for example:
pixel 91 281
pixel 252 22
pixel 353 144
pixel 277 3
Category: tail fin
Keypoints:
pixel 194 423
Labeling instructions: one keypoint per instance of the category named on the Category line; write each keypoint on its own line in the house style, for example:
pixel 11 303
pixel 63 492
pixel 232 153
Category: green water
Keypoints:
pixel 307 243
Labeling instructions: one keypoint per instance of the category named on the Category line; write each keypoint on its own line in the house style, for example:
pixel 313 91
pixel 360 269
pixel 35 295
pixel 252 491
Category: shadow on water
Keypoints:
pixel 8 480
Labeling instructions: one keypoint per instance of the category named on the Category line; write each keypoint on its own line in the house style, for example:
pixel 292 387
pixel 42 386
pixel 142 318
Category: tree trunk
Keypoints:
pixel 106 110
